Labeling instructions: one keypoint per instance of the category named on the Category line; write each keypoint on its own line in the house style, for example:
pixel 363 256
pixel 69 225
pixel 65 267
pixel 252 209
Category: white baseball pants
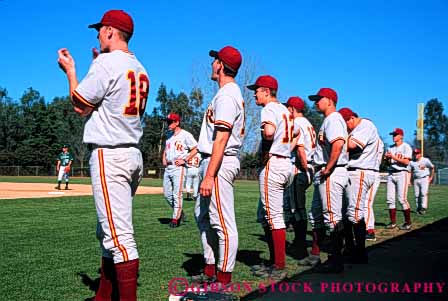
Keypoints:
pixel 62 174
pixel 369 214
pixel 421 188
pixel 192 181
pixel 326 207
pixel 173 180
pixel 273 178
pixel 116 173
pixel 397 184
pixel 360 183
pixel 215 216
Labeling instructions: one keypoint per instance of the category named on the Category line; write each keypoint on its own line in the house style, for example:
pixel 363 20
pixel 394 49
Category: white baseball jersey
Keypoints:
pixel 179 145
pixel 420 168
pixel 402 151
pixel 118 82
pixel 277 115
pixel 333 128
pixel 225 111
pixel 307 136
pixel 365 136
pixel 194 162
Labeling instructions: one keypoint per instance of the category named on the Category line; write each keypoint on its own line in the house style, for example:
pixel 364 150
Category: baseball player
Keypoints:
pixel 220 141
pixel 176 151
pixel 369 214
pixel 304 147
pixel 331 180
pixel 63 165
pixel 192 178
pixel 399 157
pixel 363 147
pixel 422 174
pixel 277 131
pixel 113 95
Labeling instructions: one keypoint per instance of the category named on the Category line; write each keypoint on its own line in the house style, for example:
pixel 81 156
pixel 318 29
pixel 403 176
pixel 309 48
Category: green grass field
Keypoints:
pixel 50 251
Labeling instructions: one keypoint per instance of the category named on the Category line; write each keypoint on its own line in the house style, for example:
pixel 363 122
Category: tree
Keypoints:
pixel 436 130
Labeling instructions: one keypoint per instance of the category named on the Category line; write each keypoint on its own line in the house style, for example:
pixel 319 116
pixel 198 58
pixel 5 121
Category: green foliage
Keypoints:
pixel 436 131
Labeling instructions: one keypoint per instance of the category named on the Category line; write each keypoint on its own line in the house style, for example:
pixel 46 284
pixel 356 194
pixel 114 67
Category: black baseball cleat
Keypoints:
pixel 58 188
pixel 391 226
pixel 173 225
pixel 406 227
pixel 370 237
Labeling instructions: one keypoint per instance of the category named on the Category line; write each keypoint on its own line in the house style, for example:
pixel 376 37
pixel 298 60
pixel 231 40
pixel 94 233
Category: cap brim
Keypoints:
pixel 213 53
pixel 97 26
pixel 314 97
pixel 393 133
pixel 252 87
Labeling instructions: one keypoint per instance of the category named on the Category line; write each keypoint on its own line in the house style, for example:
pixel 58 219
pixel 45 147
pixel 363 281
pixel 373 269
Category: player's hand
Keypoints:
pixel 430 180
pixel 388 155
pixel 95 53
pixel 325 172
pixel 206 186
pixel 65 60
pixel 179 162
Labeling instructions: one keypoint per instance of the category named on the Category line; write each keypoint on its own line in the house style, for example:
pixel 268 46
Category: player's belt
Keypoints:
pixel 205 155
pixel 421 177
pixel 279 156
pixel 126 145
pixel 397 170
pixel 359 168
pixel 317 167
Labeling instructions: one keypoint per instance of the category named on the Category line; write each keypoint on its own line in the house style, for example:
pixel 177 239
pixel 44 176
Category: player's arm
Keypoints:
pixel 403 161
pixel 58 165
pixel 301 156
pixel 433 172
pixel 222 136
pixel 336 149
pixel 191 154
pixel 164 163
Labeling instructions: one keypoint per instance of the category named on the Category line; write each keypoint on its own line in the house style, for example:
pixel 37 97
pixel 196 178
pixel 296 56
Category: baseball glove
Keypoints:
pixel 67 169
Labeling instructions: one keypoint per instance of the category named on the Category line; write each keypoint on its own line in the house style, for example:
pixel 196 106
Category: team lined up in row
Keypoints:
pixel 343 162
pixel 113 97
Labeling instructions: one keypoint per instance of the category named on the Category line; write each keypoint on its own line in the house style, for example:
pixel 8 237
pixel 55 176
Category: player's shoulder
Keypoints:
pixel 229 91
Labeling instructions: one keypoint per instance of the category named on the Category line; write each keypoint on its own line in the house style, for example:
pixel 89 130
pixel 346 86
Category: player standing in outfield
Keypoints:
pixel 220 141
pixel 363 148
pixel 369 214
pixel 192 180
pixel 113 95
pixel 277 132
pixel 330 180
pixel 422 177
pixel 305 145
pixel 64 163
pixel 176 151
pixel 398 156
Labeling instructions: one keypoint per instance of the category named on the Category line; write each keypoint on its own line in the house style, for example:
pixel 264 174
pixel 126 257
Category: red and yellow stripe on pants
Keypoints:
pixel 108 206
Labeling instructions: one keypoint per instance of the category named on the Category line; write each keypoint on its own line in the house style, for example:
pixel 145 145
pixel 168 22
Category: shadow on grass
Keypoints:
pixel 194 265
pixel 164 220
pixel 419 256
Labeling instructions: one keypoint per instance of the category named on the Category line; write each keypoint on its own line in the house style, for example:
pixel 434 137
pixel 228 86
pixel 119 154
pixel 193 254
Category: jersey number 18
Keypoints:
pixel 137 97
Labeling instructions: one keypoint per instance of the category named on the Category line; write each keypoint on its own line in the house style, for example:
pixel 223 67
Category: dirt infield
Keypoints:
pixel 45 190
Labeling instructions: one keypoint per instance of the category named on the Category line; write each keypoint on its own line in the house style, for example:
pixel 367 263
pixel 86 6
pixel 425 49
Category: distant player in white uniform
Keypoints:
pixel 303 150
pixel 192 179
pixel 277 131
pixel 363 147
pixel 331 179
pixel 399 156
pixel 113 97
pixel 369 214
pixel 177 148
pixel 220 141
pixel 422 174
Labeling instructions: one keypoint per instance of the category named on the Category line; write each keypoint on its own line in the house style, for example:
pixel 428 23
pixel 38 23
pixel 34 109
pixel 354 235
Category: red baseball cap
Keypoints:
pixel 296 102
pixel 265 81
pixel 325 92
pixel 347 113
pixel 230 56
pixel 117 19
pixel 417 151
pixel 397 131
pixel 173 117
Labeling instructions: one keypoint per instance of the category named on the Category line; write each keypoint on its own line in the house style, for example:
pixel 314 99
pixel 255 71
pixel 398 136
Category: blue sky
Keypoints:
pixel 382 57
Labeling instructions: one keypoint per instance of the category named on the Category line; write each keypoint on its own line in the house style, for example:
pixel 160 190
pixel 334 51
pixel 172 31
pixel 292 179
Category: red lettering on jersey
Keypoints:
pixel 289 128
pixel 313 136
pixel 178 146
pixel 209 116
pixel 137 98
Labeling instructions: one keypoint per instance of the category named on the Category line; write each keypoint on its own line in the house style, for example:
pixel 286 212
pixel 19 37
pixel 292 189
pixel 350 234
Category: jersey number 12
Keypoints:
pixel 138 93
